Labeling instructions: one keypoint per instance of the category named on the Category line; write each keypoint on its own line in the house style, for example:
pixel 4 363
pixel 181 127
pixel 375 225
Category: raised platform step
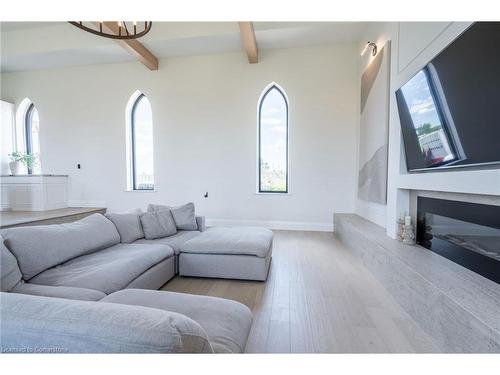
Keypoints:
pixel 458 308
pixel 10 219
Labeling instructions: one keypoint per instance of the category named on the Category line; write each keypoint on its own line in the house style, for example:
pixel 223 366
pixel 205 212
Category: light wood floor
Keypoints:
pixel 318 298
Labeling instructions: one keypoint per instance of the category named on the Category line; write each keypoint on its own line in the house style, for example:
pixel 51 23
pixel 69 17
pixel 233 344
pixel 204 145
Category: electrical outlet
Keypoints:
pixel 78 166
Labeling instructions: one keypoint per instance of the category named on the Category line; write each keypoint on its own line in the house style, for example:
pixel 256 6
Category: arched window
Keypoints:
pixel 140 143
pixel 273 140
pixel 31 133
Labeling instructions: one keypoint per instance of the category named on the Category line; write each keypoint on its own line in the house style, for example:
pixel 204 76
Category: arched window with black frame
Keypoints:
pixel 32 131
pixel 273 141
pixel 140 150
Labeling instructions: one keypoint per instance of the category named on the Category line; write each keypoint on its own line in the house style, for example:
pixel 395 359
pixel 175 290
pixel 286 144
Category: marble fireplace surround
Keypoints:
pixel 458 308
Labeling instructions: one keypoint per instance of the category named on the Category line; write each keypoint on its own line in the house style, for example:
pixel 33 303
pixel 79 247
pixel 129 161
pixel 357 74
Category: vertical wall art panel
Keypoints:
pixel 374 123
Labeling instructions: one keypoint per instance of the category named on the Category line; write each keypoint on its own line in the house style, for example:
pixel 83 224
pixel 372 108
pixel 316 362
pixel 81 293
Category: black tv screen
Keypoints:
pixel 450 110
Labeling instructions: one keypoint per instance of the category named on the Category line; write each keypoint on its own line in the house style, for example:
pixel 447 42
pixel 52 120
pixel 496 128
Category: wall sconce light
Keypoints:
pixel 368 45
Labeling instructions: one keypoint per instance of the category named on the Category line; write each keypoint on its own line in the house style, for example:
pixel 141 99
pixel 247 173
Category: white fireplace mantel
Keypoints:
pixel 33 192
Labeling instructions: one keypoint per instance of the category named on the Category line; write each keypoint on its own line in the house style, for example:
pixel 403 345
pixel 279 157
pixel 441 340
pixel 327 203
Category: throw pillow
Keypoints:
pixel 128 225
pixel 157 207
pixel 158 224
pixel 184 216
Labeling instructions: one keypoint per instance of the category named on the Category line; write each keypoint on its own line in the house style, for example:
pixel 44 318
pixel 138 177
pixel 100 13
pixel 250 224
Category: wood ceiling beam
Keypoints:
pixel 133 46
pixel 249 42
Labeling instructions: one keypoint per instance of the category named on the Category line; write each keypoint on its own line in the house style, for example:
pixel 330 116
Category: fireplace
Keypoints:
pixel 465 233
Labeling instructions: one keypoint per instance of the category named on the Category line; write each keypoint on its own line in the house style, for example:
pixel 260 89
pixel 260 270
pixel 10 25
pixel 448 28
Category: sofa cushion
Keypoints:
pixel 108 270
pixel 11 274
pixel 233 241
pixel 59 292
pixel 69 326
pixel 175 241
pixel 184 215
pixel 38 248
pixel 158 224
pixel 227 323
pixel 128 225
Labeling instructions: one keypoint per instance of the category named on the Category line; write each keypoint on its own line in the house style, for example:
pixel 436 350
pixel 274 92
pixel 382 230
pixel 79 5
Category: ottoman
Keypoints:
pixel 229 253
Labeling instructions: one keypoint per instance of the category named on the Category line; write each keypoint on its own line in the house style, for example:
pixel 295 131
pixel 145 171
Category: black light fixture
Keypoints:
pixel 368 45
pixel 115 29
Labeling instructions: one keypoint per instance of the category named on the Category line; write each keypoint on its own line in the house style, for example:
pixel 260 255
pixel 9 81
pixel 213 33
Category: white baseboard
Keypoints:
pixel 75 203
pixel 280 225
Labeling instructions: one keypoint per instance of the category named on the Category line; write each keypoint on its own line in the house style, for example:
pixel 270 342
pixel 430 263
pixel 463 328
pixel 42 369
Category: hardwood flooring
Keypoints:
pixel 318 298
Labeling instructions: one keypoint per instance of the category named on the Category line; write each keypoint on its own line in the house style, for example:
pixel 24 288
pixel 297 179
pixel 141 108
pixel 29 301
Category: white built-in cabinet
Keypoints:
pixel 34 192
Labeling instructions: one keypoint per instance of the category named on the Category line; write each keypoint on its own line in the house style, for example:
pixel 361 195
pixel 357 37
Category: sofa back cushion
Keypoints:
pixel 158 224
pixel 129 226
pixel 184 215
pixel 38 248
pixel 70 326
pixel 68 292
pixel 11 274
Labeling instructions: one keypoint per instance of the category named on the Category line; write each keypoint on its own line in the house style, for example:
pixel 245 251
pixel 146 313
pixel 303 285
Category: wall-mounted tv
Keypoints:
pixel 450 110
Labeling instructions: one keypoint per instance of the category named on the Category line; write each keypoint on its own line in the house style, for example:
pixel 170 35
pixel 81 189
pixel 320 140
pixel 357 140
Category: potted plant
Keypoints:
pixel 22 158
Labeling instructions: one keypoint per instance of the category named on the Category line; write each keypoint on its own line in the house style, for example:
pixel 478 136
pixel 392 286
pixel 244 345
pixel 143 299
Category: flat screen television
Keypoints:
pixel 450 110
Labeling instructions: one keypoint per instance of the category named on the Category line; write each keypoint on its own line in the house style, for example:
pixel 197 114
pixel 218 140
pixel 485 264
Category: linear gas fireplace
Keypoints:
pixel 465 233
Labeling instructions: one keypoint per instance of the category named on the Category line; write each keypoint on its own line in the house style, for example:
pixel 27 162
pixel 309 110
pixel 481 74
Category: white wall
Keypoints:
pixel 7 141
pixel 379 33
pixel 413 45
pixel 7 135
pixel 204 114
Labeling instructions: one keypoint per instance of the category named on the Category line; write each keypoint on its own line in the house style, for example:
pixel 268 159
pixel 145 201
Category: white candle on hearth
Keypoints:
pixel 407 220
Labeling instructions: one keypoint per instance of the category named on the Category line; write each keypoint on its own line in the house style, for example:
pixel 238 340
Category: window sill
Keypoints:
pixel 141 191
pixel 274 194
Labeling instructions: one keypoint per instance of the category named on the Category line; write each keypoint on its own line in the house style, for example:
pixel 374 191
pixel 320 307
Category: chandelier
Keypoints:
pixel 116 30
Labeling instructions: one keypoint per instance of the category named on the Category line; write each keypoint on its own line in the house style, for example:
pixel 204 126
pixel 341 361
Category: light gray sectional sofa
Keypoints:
pixel 82 287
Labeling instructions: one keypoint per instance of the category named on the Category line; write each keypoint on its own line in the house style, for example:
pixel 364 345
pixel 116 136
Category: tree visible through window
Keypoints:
pixel 142 144
pixel 32 130
pixel 273 141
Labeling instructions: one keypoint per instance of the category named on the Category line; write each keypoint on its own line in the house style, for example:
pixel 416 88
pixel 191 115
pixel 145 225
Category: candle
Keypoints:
pixel 407 220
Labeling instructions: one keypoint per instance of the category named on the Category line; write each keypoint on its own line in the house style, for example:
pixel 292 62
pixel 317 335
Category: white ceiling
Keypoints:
pixel 13 26
pixel 43 45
